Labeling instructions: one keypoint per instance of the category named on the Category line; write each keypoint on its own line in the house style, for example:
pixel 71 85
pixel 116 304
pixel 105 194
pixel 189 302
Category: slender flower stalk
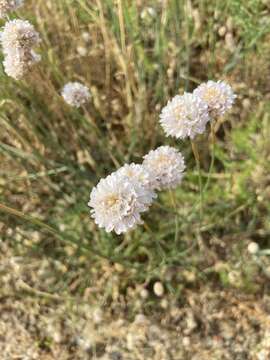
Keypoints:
pixel 211 167
pixel 176 217
pixel 198 165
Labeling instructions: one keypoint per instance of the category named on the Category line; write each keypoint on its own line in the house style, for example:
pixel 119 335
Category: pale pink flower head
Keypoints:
pixel 218 96
pixel 18 34
pixel 18 39
pixel 117 203
pixel 184 116
pixel 165 166
pixel 19 63
pixel 75 94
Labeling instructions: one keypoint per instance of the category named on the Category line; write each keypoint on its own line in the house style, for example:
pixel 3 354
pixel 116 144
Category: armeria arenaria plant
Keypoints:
pixel 218 96
pixel 18 38
pixel 75 94
pixel 138 172
pixel 118 201
pixel 165 166
pixel 184 116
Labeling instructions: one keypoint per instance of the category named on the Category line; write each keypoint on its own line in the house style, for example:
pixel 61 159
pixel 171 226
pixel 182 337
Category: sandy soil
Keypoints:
pixel 207 323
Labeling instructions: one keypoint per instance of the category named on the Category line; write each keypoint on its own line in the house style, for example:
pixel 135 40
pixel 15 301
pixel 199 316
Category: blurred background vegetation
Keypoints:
pixel 134 56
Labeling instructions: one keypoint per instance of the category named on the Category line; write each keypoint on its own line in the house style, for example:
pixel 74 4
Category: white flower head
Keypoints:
pixel 219 96
pixel 75 94
pixel 117 203
pixel 18 63
pixel 18 34
pixel 17 39
pixel 166 167
pixel 184 116
pixel 7 6
pixel 138 173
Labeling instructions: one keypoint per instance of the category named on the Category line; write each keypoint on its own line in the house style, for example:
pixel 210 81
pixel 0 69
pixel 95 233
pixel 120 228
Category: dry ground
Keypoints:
pixel 208 322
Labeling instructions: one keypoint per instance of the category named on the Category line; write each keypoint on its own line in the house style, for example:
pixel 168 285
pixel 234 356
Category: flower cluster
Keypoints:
pixel 218 96
pixel 118 200
pixel 184 116
pixel 165 166
pixel 7 6
pixel 187 115
pixel 137 172
pixel 75 94
pixel 18 38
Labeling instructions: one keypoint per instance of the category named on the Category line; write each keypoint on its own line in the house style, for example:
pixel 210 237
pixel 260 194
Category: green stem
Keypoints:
pixel 172 196
pixel 213 138
pixel 197 159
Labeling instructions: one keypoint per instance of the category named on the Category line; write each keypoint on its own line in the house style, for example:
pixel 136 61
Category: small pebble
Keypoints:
pixel 158 289
pixel 253 248
pixel 144 294
pixel 164 303
pixel 119 268
pixel 234 277
pixel 246 103
pixel 140 319
pixel 186 341
pixel 97 316
pixel 222 31
pixel 82 51
pixel 86 36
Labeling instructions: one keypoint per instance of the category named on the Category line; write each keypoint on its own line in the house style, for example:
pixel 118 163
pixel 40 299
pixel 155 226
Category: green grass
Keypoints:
pixel 52 156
